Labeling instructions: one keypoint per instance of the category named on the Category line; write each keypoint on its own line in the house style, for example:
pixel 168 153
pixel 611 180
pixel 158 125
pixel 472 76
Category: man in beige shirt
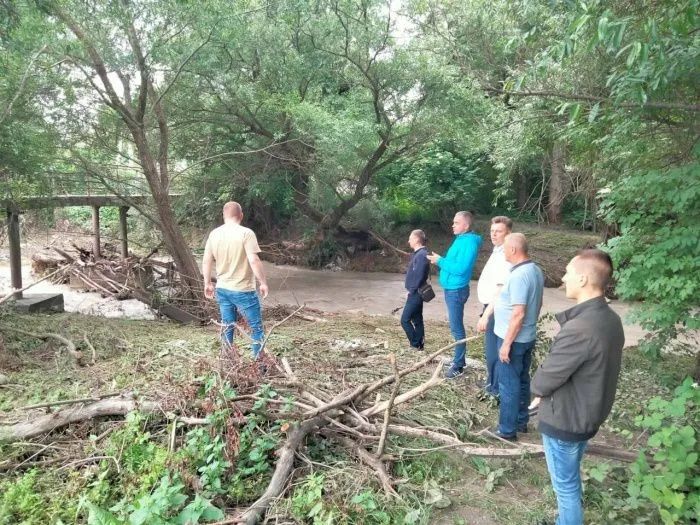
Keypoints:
pixel 234 249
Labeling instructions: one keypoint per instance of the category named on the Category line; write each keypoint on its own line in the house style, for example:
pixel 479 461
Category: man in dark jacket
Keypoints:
pixel 416 276
pixel 577 381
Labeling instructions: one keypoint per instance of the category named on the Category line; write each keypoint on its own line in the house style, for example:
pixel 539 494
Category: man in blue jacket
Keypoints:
pixel 416 276
pixel 455 273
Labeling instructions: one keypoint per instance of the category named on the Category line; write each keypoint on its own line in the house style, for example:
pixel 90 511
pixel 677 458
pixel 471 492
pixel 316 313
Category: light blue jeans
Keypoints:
pixel 248 304
pixel 564 465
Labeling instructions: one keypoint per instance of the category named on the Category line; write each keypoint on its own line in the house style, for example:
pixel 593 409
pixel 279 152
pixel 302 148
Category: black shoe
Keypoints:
pixel 522 429
pixel 498 433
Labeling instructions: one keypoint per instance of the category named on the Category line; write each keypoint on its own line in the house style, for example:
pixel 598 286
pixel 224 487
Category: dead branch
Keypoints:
pixel 362 391
pixel 390 404
pixel 92 349
pixel 368 459
pixel 70 401
pixel 282 471
pixel 387 243
pixel 12 291
pixel 434 380
pixel 279 323
pixel 49 422
pixel 70 346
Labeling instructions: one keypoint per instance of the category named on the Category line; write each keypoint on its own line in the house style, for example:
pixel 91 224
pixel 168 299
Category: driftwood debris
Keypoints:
pixel 353 419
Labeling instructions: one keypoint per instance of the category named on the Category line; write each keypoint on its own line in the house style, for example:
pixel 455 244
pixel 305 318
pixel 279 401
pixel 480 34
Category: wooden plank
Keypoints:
pixel 61 201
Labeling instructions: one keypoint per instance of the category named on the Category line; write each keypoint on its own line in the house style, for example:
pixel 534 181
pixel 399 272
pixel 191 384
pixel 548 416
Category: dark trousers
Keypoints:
pixel 412 320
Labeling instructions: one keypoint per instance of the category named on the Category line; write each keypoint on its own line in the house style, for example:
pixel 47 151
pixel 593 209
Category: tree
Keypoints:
pixel 28 140
pixel 325 95
pixel 109 44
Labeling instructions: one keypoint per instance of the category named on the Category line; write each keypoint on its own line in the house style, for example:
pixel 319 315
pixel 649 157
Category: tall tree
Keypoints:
pixel 111 46
pixel 325 93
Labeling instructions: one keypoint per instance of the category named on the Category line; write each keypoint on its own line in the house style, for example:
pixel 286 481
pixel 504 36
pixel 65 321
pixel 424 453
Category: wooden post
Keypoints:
pixel 15 251
pixel 96 231
pixel 122 230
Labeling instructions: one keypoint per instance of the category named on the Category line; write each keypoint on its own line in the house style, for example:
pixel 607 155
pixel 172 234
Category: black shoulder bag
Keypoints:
pixel 426 291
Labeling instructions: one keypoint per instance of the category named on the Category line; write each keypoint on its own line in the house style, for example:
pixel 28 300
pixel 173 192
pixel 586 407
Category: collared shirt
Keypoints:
pixel 493 275
pixel 525 286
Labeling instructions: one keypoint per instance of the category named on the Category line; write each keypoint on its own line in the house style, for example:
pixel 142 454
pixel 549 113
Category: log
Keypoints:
pixel 50 422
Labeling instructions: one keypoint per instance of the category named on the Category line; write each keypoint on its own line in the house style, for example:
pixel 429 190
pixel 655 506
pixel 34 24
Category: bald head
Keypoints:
pixel 596 265
pixel 233 211
pixel 518 242
pixel 515 248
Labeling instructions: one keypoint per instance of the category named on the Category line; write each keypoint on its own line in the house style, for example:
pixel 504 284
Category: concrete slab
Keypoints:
pixel 40 302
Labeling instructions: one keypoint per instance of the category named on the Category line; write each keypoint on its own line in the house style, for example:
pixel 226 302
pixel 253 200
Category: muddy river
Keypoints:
pixel 341 291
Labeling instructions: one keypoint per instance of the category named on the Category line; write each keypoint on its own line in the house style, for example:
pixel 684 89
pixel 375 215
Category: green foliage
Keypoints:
pixel 657 253
pixel 663 484
pixel 492 476
pixel 164 506
pixel 437 182
pixel 21 503
pixel 39 497
pixel 310 503
pixel 672 482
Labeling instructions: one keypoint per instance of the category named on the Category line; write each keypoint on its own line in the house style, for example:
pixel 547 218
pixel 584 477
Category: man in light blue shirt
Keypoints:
pixel 455 273
pixel 515 326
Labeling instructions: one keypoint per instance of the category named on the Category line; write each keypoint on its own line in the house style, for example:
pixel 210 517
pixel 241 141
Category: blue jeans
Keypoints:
pixel 455 301
pixel 514 387
pixel 564 465
pixel 412 320
pixel 491 354
pixel 248 304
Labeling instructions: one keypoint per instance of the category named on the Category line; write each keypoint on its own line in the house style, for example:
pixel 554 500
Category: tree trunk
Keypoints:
pixel 522 195
pixel 557 183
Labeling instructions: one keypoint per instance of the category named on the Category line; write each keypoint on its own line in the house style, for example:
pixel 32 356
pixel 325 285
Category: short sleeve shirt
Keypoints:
pixel 231 244
pixel 493 275
pixel 524 285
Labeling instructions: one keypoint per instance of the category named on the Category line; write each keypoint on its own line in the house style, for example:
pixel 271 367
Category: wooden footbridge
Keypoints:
pixel 15 207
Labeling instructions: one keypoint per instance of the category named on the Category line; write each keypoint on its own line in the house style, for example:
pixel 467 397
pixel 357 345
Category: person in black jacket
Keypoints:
pixel 416 276
pixel 576 384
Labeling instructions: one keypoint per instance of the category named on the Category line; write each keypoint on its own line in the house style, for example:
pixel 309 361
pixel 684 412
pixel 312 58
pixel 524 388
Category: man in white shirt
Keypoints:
pixel 491 280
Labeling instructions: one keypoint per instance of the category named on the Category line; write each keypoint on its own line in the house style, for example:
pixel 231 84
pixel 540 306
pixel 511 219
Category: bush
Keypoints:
pixel 432 186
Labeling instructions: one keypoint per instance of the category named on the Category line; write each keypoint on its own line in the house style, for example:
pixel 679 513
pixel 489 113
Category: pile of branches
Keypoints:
pixel 358 418
pixel 151 281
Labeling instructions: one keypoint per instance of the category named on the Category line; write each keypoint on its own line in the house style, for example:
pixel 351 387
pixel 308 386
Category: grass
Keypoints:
pixel 159 360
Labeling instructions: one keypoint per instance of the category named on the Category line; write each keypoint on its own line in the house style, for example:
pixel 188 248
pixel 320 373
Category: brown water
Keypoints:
pixel 353 292
pixel 380 293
